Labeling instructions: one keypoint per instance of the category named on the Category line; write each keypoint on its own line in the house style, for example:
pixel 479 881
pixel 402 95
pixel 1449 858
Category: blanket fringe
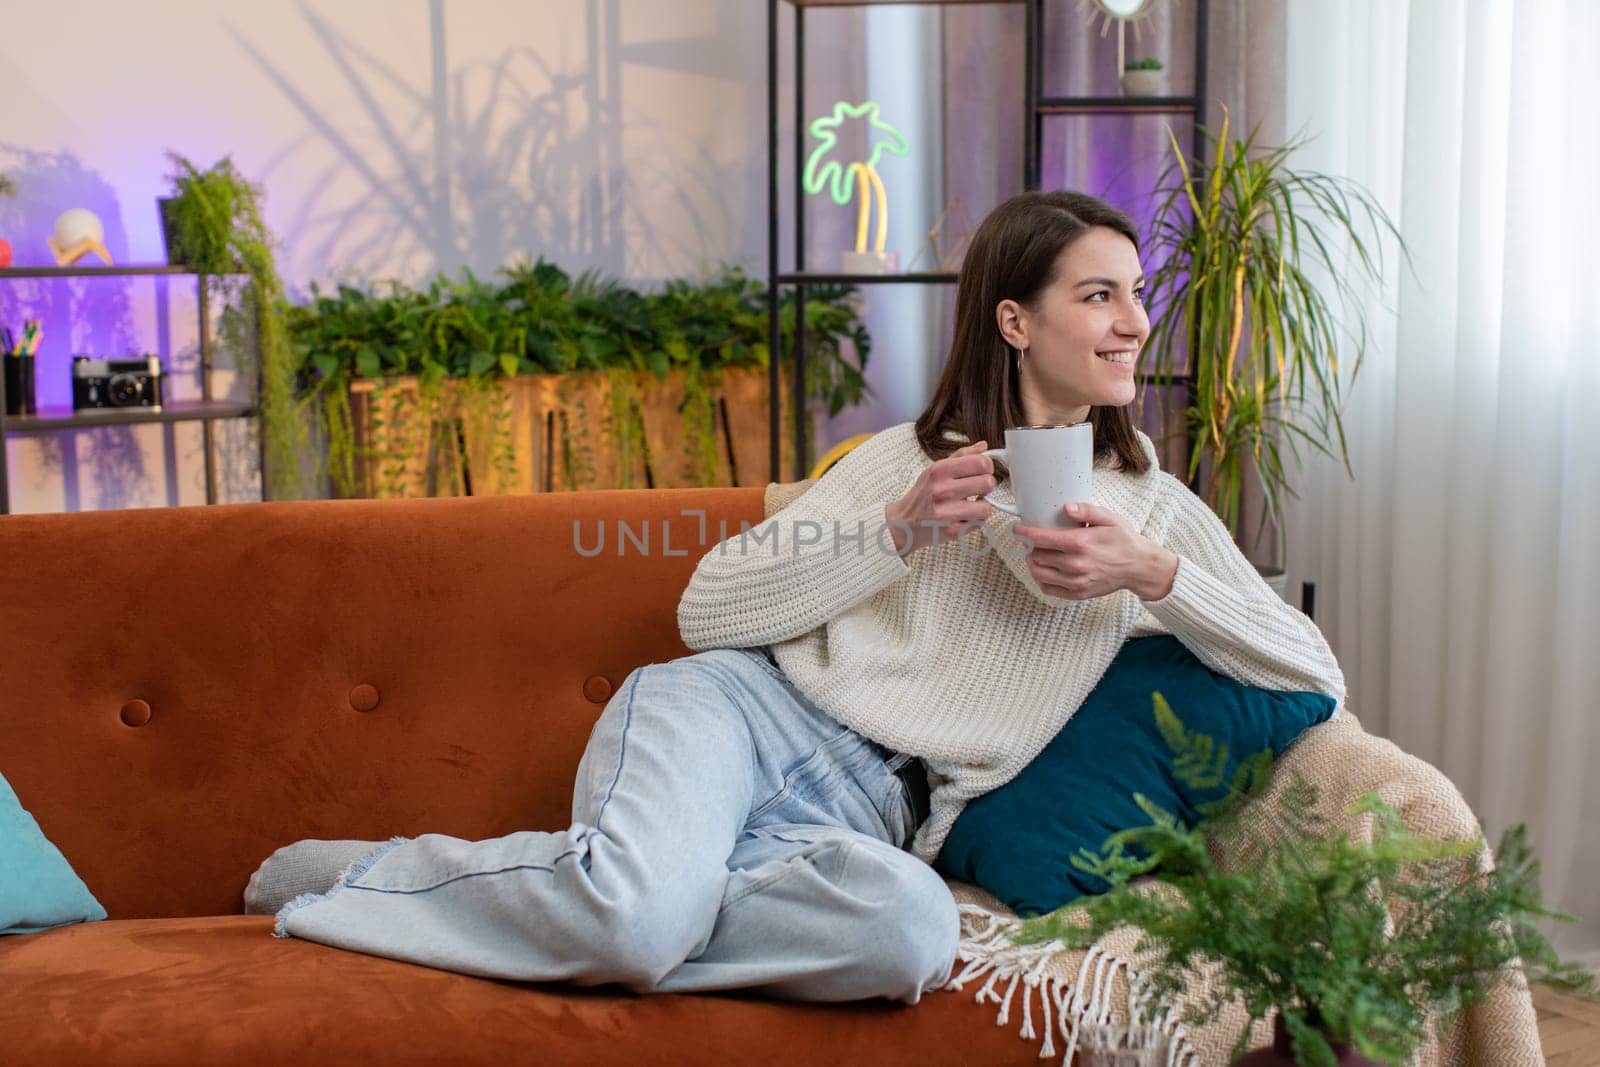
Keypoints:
pixel 987 951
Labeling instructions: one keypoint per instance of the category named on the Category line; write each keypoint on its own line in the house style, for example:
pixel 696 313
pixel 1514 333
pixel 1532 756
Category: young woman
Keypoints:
pixel 762 815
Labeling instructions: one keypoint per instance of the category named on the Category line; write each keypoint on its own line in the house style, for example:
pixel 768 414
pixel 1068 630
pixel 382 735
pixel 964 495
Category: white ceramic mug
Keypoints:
pixel 1050 466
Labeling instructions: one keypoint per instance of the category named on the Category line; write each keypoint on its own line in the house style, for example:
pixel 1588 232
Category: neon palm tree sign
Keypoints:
pixel 841 180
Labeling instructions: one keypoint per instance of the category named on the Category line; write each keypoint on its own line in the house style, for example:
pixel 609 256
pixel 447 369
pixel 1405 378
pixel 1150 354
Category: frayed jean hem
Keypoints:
pixel 360 867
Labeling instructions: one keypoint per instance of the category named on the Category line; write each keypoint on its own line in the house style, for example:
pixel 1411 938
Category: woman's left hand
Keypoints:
pixel 1099 557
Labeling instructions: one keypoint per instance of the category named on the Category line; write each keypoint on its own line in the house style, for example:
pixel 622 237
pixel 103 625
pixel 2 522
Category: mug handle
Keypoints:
pixel 1009 509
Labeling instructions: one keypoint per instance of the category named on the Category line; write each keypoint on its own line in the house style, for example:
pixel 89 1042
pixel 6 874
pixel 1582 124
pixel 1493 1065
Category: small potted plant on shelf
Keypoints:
pixel 1355 944
pixel 8 187
pixel 1144 77
pixel 212 223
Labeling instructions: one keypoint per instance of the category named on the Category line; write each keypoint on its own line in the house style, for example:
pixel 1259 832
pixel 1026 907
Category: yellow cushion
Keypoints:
pixel 836 453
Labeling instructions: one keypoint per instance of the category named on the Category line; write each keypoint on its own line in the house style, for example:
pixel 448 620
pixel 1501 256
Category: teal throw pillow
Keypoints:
pixel 1018 841
pixel 38 888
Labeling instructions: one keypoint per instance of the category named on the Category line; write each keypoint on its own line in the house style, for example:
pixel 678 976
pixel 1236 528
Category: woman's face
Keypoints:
pixel 1082 337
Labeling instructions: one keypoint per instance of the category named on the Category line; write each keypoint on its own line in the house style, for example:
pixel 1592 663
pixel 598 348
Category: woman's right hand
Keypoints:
pixel 939 503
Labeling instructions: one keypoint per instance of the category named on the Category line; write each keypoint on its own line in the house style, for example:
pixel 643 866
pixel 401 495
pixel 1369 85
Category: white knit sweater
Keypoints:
pixel 953 654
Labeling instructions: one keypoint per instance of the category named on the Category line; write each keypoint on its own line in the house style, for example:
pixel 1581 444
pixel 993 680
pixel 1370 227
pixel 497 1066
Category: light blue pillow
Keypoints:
pixel 38 888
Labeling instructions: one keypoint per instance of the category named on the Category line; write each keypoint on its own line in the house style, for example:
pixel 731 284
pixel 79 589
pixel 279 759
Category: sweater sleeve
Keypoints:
pixel 1220 608
pixel 825 553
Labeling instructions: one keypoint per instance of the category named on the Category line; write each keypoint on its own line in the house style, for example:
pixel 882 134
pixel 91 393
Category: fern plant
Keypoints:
pixel 1352 942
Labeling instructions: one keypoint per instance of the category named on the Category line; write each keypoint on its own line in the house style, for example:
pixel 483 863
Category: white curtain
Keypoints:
pixel 1458 575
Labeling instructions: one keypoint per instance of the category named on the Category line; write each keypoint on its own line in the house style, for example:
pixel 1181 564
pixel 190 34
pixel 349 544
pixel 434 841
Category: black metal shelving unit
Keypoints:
pixel 1042 107
pixel 1038 107
pixel 206 410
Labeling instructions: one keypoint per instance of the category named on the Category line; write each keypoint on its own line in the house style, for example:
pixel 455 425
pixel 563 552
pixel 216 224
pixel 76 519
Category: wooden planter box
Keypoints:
pixel 558 432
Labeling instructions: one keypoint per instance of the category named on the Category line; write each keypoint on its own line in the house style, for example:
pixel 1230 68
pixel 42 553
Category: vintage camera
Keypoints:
pixel 116 383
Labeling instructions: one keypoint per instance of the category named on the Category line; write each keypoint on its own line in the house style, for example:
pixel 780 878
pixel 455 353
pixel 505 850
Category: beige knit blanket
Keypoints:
pixel 1049 993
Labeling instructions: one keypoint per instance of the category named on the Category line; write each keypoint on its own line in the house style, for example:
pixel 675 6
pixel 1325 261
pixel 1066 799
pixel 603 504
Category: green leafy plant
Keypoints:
pixel 1150 63
pixel 1237 304
pixel 537 319
pixel 215 215
pixel 1351 941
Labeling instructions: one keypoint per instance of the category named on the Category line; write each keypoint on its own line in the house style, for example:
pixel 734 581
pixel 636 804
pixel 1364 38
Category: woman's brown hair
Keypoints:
pixel 1013 256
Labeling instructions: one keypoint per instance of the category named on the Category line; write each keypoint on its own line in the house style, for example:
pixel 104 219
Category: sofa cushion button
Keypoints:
pixel 364 697
pixel 135 713
pixel 597 689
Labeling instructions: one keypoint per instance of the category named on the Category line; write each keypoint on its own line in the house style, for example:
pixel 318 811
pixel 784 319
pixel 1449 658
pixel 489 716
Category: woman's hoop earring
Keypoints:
pixel 1020 353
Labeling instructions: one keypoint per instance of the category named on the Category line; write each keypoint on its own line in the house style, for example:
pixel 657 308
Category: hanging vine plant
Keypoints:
pixel 484 406
pixel 214 217
pixel 626 426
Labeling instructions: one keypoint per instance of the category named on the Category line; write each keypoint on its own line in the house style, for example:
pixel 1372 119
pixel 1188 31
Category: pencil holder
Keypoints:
pixel 19 385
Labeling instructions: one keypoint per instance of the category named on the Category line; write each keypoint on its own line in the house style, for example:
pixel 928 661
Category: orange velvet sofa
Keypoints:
pixel 184 690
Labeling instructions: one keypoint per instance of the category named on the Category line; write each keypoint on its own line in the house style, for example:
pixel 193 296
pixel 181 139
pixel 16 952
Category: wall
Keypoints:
pixel 398 139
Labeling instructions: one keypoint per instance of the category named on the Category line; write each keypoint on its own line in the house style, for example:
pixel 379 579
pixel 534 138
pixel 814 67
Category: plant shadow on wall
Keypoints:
pixel 77 316
pixel 509 157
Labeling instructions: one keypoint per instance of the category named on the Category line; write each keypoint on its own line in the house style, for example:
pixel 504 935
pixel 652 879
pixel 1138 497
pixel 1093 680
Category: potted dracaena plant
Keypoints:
pixel 214 226
pixel 1253 298
pixel 1355 944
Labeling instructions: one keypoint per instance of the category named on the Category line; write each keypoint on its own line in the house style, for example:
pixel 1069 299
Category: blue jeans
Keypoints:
pixel 726 834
